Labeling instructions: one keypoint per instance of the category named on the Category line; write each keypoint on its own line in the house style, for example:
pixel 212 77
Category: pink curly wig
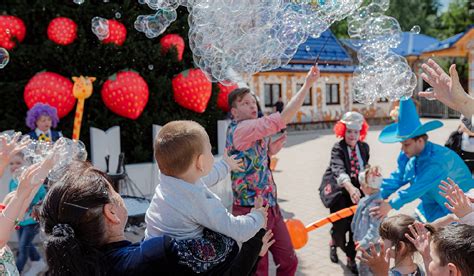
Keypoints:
pixel 340 130
pixel 38 110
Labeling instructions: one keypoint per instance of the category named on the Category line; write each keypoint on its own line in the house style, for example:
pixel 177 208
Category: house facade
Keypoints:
pixel 330 97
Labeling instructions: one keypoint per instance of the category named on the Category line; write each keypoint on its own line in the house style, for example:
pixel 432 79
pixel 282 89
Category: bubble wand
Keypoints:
pixel 319 54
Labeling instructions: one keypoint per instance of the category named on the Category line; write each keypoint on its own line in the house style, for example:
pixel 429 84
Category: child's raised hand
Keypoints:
pixel 378 262
pixel 458 202
pixel 31 179
pixel 234 164
pixel 9 149
pixel 420 237
pixel 267 243
pixel 258 206
pixel 313 76
pixel 258 202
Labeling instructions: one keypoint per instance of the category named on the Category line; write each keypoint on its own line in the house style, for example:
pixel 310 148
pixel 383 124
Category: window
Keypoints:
pixel 332 94
pixel 308 100
pixel 272 93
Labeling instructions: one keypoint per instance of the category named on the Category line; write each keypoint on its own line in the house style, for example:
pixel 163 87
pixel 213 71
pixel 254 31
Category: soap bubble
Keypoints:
pixel 100 27
pixel 381 72
pixel 415 29
pixel 230 38
pixel 4 58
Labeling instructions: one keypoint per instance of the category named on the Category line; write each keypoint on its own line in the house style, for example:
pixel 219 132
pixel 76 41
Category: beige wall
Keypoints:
pixel 318 110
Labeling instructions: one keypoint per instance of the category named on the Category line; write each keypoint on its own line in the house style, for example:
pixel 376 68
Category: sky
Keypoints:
pixel 444 4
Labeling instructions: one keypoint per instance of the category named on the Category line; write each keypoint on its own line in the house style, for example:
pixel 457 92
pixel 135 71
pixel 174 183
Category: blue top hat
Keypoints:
pixel 408 125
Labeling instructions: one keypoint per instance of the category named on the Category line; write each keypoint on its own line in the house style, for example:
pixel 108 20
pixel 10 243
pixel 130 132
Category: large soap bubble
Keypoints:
pixel 381 72
pixel 231 38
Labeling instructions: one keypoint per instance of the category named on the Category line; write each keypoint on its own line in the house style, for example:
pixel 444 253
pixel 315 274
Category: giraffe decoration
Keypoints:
pixel 82 90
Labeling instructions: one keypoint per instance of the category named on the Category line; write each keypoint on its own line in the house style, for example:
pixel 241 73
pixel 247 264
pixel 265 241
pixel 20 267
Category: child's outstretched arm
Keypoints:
pixel 214 216
pixel 221 169
pixel 297 100
pixel 9 149
pixel 420 237
pixel 29 183
pixel 377 261
pixel 249 131
pixel 458 202
pixel 447 88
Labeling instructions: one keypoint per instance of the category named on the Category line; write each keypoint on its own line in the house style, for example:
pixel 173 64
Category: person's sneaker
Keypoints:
pixel 333 254
pixel 36 268
pixel 352 266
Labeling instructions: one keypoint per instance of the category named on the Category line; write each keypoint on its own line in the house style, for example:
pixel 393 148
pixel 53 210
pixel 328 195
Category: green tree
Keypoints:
pixel 458 17
pixel 408 13
pixel 88 56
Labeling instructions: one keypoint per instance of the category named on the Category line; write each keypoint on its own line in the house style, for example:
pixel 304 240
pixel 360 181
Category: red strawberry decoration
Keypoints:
pixel 223 95
pixel 117 33
pixel 62 30
pixel 192 90
pixel 171 40
pixel 125 94
pixel 52 89
pixel 12 28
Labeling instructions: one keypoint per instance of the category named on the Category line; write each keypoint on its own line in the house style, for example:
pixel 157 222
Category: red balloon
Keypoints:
pixel 222 97
pixel 298 233
pixel 117 33
pixel 50 88
pixel 12 28
pixel 192 90
pixel 126 94
pixel 171 40
pixel 62 30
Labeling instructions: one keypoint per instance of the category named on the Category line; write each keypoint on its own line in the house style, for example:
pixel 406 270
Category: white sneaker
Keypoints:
pixel 36 268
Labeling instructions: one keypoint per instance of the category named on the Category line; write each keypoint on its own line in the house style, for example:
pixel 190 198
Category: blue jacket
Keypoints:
pixel 424 174
pixel 364 226
pixel 55 135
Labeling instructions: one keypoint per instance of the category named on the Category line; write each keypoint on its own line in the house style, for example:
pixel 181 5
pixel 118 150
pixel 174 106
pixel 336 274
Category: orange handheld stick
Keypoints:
pixel 299 233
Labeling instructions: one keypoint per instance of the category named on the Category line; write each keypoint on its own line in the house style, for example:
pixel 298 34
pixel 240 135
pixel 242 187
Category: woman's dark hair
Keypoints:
pixel 72 219
pixel 394 229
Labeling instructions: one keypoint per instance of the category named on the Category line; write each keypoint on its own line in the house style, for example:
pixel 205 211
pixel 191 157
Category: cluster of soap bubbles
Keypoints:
pixel 100 27
pixel 381 72
pixel 231 38
pixel 62 152
pixel 4 57
pixel 155 24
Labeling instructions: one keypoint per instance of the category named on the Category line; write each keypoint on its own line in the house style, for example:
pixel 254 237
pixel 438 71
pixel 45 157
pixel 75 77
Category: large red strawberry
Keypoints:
pixel 126 94
pixel 117 33
pixel 52 89
pixel 171 40
pixel 62 30
pixel 222 97
pixel 192 90
pixel 12 29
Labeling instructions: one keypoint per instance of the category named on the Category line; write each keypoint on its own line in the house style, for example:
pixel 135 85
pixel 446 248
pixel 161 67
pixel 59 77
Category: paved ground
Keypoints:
pixel 298 174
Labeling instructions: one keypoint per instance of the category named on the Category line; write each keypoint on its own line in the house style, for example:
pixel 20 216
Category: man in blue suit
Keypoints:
pixel 421 164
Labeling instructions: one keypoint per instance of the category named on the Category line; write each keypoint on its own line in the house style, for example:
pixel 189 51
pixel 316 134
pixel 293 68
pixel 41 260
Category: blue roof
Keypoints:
pixel 412 44
pixel 325 68
pixel 447 43
pixel 333 52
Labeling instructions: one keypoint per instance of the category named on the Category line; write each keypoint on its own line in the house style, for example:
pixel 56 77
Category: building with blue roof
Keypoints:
pixel 412 45
pixel 330 97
